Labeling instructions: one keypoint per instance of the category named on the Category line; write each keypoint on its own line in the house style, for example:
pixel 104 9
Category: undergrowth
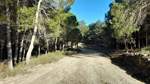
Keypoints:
pixel 46 58
pixel 21 68
pixel 71 51
pixel 18 69
pixel 145 50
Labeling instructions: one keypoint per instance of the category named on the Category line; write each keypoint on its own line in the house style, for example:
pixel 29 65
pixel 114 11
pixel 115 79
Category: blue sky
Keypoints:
pixel 90 10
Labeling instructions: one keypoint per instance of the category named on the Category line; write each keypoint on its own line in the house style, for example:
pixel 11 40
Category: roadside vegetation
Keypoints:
pixel 21 68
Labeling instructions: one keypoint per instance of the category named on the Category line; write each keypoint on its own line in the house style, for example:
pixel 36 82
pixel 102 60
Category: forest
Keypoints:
pixel 34 27
pixel 125 26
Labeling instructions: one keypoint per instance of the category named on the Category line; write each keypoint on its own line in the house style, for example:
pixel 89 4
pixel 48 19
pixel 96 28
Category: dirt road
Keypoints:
pixel 88 67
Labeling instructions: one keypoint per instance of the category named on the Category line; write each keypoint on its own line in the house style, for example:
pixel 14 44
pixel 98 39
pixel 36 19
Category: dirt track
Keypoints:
pixel 88 67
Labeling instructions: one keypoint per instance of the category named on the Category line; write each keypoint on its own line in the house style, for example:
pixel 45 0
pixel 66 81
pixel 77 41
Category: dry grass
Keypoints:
pixel 18 69
pixel 145 50
pixel 21 68
pixel 46 58
pixel 3 68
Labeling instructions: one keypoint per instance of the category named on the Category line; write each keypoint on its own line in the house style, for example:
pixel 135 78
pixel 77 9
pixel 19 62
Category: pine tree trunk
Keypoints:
pixel 28 56
pixel 47 46
pixel 126 46
pixel 60 46
pixel 96 39
pixel 1 51
pixel 146 38
pixel 67 39
pixel 56 43
pixel 131 46
pixel 39 50
pixel 17 34
pixel 77 45
pixel 9 49
pixel 23 54
pixel 21 47
pixel 71 44
pixel 16 45
pixel 117 46
pixel 139 44
pixel 39 38
pixel 63 46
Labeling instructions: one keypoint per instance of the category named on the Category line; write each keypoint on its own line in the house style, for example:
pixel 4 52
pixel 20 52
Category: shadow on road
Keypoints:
pixel 88 53
pixel 130 68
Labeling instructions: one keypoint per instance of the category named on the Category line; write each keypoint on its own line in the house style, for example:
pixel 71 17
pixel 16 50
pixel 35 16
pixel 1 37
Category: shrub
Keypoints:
pixel 46 58
pixel 71 51
pixel 21 68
